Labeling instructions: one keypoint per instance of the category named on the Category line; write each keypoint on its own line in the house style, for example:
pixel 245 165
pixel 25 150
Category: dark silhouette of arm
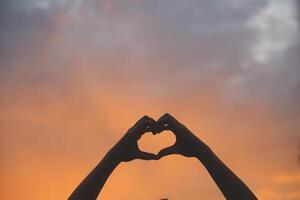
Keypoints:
pixel 231 186
pixel 125 150
pixel 187 144
pixel 91 186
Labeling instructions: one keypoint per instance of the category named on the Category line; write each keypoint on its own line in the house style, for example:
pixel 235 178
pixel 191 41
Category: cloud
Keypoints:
pixel 278 28
pixel 298 9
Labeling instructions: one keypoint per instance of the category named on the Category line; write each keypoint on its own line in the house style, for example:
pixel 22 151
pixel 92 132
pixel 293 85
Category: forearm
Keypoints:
pixel 231 186
pixel 91 186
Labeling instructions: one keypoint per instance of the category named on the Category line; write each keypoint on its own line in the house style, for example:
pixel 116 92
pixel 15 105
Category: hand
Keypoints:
pixel 127 148
pixel 187 144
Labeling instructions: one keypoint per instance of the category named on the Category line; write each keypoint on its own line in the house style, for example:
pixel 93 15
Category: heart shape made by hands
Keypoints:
pixel 154 143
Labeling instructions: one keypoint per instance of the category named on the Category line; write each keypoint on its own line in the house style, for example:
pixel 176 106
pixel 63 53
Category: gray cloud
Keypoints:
pixel 191 37
pixel 298 9
pixel 205 43
pixel 195 39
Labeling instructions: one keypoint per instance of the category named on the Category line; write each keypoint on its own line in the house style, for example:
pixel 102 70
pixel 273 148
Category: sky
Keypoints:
pixel 75 75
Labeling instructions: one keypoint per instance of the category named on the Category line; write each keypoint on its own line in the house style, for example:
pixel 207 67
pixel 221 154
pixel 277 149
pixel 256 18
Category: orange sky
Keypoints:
pixel 74 79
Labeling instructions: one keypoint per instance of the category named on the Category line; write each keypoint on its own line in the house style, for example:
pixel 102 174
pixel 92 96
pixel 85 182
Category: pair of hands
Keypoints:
pixel 187 144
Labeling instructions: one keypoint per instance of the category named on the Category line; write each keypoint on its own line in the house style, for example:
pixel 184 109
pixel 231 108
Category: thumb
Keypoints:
pixel 146 156
pixel 167 151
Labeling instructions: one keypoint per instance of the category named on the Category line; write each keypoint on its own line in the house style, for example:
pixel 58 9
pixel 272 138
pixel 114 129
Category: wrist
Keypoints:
pixel 114 156
pixel 202 151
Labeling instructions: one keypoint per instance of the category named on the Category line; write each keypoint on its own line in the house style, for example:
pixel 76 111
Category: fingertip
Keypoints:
pixel 166 114
pixel 165 117
pixel 149 118
pixel 160 156
pixel 153 132
pixel 167 151
pixel 145 117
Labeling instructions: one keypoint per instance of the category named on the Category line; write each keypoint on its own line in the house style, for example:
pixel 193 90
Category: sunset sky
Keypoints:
pixel 76 74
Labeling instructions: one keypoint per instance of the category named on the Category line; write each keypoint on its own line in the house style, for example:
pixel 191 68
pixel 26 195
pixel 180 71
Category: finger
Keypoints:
pixel 167 151
pixel 143 125
pixel 143 118
pixel 147 124
pixel 167 122
pixel 146 156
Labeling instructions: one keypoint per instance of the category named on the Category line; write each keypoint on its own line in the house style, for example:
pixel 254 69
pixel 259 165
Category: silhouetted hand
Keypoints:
pixel 187 144
pixel 127 148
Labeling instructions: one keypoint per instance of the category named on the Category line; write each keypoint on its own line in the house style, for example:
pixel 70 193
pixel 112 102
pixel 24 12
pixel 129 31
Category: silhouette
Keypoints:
pixel 187 144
